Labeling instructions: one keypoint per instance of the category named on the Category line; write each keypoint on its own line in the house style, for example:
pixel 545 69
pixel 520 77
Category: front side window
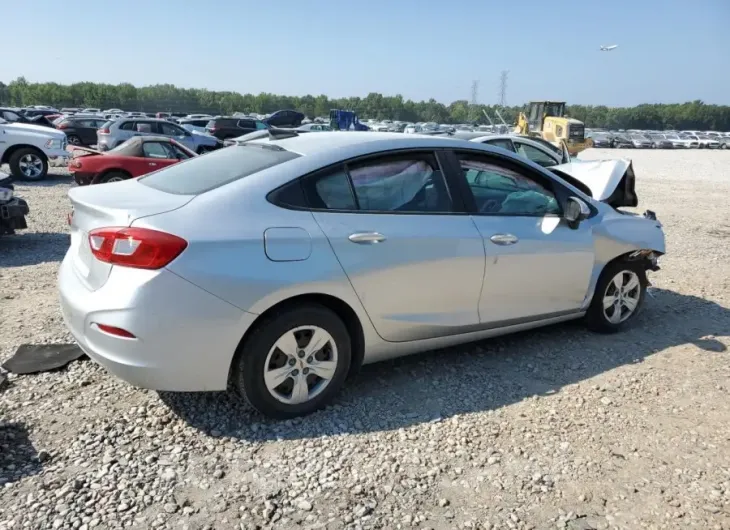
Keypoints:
pixel 498 190
pixel 535 154
pixel 260 125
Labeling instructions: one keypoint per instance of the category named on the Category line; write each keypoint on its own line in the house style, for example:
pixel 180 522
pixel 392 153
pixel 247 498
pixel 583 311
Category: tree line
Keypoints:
pixel 169 98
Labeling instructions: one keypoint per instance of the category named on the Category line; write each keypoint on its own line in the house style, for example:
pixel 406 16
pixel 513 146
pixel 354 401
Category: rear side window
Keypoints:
pixel 127 126
pixel 216 169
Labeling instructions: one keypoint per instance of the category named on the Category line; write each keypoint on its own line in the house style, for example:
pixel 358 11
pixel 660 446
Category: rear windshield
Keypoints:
pixel 107 124
pixel 210 171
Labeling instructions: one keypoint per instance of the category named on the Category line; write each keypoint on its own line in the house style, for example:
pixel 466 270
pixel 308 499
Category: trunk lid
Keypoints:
pixel 105 205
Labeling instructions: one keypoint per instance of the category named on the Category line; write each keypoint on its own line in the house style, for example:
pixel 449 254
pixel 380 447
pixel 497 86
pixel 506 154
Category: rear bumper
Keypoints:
pixel 185 337
pixel 12 215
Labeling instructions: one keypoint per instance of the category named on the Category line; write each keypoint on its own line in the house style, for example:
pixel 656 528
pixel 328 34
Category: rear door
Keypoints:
pixel 415 260
pixel 536 267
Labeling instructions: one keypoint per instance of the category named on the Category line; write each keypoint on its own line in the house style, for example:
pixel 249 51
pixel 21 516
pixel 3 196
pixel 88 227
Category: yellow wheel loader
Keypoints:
pixel 547 120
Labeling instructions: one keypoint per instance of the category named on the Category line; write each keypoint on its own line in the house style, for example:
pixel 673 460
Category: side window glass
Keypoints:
pixel 155 150
pixel 402 185
pixel 260 125
pixel 534 154
pixel 501 191
pixel 501 142
pixel 144 127
pixel 170 130
pixel 178 153
pixel 127 126
pixel 331 191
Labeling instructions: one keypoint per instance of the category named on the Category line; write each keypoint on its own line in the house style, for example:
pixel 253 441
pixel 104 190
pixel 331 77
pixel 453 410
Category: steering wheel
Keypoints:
pixel 490 206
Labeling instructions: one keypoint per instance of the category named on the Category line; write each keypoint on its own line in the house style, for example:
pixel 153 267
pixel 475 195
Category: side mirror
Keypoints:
pixel 575 211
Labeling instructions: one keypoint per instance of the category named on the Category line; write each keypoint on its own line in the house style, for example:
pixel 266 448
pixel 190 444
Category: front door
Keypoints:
pixel 536 266
pixel 416 267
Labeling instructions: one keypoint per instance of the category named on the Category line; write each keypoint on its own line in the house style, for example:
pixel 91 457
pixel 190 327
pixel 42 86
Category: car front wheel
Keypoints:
pixel 619 295
pixel 28 164
pixel 294 362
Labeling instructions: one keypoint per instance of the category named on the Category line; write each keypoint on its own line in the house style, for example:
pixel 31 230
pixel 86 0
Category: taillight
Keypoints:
pixel 103 131
pixel 62 126
pixel 140 248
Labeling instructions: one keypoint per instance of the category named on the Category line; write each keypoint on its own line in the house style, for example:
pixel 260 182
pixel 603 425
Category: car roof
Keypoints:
pixel 362 142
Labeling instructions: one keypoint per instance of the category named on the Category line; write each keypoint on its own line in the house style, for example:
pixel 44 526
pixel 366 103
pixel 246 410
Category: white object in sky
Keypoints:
pixel 608 48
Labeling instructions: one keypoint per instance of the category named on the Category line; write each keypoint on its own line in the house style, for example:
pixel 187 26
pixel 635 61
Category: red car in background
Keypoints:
pixel 135 157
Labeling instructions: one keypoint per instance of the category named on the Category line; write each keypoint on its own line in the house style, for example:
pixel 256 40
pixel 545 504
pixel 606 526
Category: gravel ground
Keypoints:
pixel 555 428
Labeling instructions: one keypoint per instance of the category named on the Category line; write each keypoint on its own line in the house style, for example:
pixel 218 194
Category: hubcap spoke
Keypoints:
pixel 318 341
pixel 300 392
pixel 287 343
pixel 277 376
pixel 630 303
pixel 618 281
pixel 608 301
pixel 615 317
pixel 324 369
pixel 632 284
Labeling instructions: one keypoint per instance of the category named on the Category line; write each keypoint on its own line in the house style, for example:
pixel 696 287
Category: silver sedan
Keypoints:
pixel 281 265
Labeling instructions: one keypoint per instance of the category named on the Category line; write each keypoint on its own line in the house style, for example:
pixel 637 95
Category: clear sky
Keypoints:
pixel 669 50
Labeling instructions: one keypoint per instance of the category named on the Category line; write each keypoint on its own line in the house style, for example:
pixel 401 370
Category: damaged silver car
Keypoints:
pixel 333 250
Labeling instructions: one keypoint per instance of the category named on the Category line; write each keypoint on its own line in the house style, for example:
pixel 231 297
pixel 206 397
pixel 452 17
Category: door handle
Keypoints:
pixel 366 237
pixel 503 239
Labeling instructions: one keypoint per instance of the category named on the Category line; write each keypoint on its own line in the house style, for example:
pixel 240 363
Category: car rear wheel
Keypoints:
pixel 114 176
pixel 619 295
pixel 293 363
pixel 28 164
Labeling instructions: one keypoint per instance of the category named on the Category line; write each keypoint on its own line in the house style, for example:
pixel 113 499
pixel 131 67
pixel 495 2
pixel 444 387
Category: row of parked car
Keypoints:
pixel 659 140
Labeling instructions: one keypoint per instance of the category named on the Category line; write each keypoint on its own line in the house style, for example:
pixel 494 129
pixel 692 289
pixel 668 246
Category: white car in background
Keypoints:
pixel 682 142
pixel 27 149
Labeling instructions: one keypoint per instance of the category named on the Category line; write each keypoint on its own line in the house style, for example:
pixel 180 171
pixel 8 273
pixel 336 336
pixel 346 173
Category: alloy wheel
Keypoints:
pixel 31 165
pixel 300 365
pixel 621 297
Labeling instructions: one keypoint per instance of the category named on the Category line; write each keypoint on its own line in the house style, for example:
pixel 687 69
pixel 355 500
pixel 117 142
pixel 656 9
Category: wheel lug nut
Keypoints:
pixel 305 371
pixel 295 372
pixel 292 362
pixel 300 353
pixel 310 359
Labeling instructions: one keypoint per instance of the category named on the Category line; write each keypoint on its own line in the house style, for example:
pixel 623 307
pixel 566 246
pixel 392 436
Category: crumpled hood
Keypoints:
pixel 610 181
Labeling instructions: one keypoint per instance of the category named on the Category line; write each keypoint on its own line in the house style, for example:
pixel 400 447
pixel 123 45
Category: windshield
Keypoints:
pixel 703 137
pixel 637 137
pixel 204 173
pixel 672 137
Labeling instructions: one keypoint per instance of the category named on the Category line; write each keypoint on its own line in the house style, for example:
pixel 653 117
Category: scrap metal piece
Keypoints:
pixel 33 358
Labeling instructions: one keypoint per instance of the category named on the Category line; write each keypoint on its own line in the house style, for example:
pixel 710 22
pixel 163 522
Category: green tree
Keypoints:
pixel 166 97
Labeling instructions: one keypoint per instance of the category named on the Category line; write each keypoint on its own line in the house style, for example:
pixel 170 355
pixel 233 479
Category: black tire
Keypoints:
pixel 247 371
pixel 596 319
pixel 17 172
pixel 74 140
pixel 114 176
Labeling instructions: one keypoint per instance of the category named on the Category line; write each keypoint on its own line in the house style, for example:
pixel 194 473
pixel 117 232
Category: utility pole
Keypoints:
pixel 474 98
pixel 503 88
